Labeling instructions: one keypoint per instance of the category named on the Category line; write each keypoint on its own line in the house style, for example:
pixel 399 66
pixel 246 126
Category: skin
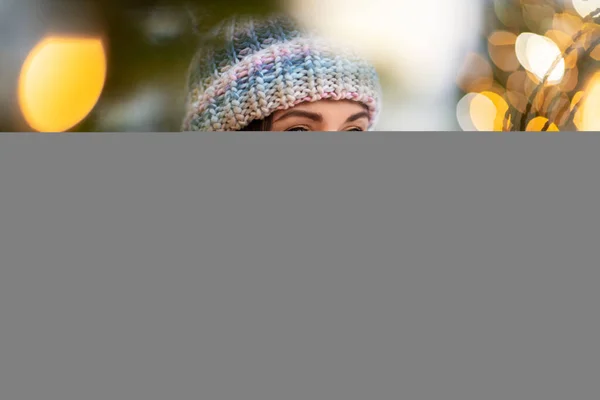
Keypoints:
pixel 323 115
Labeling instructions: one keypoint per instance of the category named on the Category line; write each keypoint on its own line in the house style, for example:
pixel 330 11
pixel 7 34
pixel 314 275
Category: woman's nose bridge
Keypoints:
pixel 330 126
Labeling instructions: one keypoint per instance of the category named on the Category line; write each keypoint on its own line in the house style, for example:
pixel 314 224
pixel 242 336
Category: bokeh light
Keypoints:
pixel 500 105
pixel 537 14
pixel 568 23
pixel 537 54
pixel 542 53
pixel 518 86
pixel 61 81
pixel 476 112
pixel 562 42
pixel 585 7
pixel 590 108
pixel 538 123
pixel 570 80
pixel 501 47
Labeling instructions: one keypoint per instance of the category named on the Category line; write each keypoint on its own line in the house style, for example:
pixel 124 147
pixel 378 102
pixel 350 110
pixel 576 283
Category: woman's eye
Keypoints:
pixel 355 130
pixel 297 129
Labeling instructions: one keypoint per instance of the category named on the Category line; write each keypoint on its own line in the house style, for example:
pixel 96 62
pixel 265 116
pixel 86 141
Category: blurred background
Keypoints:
pixel 120 65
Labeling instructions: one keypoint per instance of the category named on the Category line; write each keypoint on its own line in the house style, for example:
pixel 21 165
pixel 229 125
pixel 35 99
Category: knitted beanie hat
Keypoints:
pixel 254 67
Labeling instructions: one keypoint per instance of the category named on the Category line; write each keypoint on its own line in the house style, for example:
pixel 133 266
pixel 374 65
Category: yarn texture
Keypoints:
pixel 254 67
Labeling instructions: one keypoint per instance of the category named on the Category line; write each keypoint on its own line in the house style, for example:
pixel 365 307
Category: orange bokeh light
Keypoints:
pixel 61 82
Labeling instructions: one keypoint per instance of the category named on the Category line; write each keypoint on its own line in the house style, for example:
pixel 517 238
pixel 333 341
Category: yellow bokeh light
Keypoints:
pixel 590 117
pixel 483 113
pixel 61 82
pixel 537 54
pixel 501 106
pixel 538 123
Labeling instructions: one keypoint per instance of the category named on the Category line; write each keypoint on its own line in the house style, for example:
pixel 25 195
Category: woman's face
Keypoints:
pixel 323 115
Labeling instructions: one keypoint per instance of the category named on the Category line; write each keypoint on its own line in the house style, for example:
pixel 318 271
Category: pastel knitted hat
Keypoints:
pixel 254 67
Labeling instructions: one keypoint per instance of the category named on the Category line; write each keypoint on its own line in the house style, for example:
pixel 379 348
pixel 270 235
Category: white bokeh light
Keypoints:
pixel 537 53
pixel 585 7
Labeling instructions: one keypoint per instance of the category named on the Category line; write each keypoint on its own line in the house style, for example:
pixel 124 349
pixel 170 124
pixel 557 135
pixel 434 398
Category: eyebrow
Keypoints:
pixel 357 116
pixel 318 117
pixel 299 113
